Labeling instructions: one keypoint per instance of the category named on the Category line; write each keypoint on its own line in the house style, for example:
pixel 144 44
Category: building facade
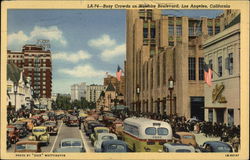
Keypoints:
pixel 78 91
pixel 160 47
pixel 19 90
pixel 36 63
pixel 119 85
pixel 93 92
pixel 222 53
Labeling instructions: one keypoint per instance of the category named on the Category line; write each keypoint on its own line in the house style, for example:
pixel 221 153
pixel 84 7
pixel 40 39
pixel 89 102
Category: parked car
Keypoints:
pixel 72 143
pixel 28 146
pixel 186 138
pixel 98 130
pixel 114 146
pixel 22 128
pixel 216 146
pixel 101 138
pixel 91 127
pixel 177 147
pixel 40 134
pixel 72 121
pixel 69 149
pixel 13 133
pixel 52 127
pixel 109 116
pixel 87 122
pixel 117 128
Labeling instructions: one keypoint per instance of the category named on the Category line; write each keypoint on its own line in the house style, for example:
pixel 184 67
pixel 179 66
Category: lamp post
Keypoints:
pixel 15 92
pixel 171 88
pixel 138 93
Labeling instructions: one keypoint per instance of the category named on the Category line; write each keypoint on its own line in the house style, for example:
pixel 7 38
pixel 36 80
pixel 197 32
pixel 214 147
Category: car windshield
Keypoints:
pixel 26 147
pixel 107 138
pixel 71 143
pixel 50 123
pixel 38 130
pixel 182 150
pixel 10 129
pixel 223 149
pixel 102 131
pixel 188 137
pixel 116 147
pixel 150 131
pixel 162 131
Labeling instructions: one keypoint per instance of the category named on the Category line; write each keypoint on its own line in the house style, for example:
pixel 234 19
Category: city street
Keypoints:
pixel 63 132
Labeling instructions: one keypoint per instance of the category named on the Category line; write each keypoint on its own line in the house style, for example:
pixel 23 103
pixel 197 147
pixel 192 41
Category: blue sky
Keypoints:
pixel 84 43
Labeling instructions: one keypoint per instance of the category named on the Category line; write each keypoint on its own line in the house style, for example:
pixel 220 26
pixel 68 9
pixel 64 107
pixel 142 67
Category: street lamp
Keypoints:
pixel 171 88
pixel 138 93
pixel 15 92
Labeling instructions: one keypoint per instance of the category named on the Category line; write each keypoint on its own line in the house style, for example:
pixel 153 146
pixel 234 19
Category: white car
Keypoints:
pixel 177 147
pixel 101 138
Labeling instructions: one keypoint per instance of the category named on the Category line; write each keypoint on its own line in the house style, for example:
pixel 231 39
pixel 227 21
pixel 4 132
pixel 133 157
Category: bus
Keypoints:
pixel 146 135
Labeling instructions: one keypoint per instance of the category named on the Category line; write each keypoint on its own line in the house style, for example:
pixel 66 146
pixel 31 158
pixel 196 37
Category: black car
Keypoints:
pixel 114 146
pixel 91 127
pixel 22 129
pixel 216 146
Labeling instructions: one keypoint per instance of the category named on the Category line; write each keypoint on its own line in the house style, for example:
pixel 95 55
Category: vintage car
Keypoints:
pixel 109 116
pixel 186 138
pixel 216 146
pixel 177 147
pixel 72 121
pixel 101 138
pixel 91 127
pixel 98 130
pixel 51 127
pixel 114 146
pixel 40 134
pixel 87 120
pixel 13 133
pixel 29 122
pixel 28 146
pixel 22 128
pixel 72 143
pixel 69 149
pixel 117 128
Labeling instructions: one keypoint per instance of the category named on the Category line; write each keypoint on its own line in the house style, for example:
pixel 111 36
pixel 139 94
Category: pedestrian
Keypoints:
pixel 80 122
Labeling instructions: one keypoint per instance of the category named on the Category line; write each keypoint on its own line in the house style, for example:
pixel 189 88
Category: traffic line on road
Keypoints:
pixel 84 141
pixel 56 138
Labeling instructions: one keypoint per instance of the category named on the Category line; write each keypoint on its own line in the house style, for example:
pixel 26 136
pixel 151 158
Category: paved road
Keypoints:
pixel 63 132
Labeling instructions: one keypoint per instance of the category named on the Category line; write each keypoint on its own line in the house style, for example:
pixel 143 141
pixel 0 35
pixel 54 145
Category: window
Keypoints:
pixel 230 63
pixel 210 115
pixel 220 66
pixel 210 30
pixel 191 68
pixel 170 30
pixel 162 131
pixel 191 30
pixel 178 30
pixel 145 30
pixel 201 72
pixel 150 131
pixel 164 69
pixel 152 30
pixel 198 30
pixel 217 30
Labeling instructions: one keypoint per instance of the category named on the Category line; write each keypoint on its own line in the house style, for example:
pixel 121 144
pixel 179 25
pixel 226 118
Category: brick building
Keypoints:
pixel 36 63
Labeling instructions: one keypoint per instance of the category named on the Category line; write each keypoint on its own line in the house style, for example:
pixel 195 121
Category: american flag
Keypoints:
pixel 208 74
pixel 119 73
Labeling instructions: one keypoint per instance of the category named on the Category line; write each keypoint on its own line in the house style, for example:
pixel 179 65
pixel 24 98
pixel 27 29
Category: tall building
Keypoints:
pixel 159 47
pixel 78 91
pixel 93 92
pixel 222 53
pixel 35 60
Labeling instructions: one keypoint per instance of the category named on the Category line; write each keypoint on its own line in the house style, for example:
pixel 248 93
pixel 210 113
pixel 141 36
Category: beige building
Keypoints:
pixel 160 47
pixel 222 52
pixel 93 92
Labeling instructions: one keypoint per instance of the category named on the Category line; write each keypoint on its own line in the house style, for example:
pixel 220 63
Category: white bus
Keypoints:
pixel 146 135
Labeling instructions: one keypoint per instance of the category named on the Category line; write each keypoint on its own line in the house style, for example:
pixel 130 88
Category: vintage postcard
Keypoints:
pixel 125 80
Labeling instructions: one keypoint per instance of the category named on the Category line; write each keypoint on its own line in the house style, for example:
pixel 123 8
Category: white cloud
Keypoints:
pixel 85 71
pixel 52 33
pixel 115 52
pixel 103 41
pixel 71 57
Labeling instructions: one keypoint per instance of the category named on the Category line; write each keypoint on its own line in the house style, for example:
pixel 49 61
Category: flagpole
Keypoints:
pixel 215 72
